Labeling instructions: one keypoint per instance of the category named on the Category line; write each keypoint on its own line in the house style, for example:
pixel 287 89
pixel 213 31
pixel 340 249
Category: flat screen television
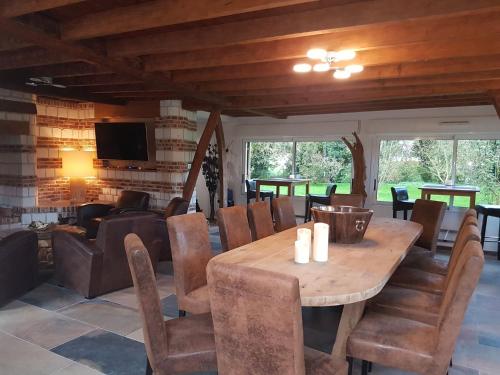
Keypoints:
pixel 121 141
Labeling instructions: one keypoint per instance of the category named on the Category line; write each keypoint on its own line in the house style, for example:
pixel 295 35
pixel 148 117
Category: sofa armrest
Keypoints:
pixel 78 262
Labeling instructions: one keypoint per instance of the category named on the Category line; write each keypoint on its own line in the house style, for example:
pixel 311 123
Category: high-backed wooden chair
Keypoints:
pixel 400 201
pixel 260 220
pixel 355 200
pixel 191 252
pixel 233 227
pixel 176 345
pixel 284 215
pixel 412 345
pixel 430 215
pixel 258 323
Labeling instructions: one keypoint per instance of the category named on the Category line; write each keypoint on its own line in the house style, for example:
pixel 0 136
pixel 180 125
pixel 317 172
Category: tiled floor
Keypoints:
pixel 52 330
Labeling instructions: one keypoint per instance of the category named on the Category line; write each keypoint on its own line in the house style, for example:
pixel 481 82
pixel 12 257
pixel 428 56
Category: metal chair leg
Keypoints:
pixel 370 366
pixel 405 214
pixel 182 313
pixel 394 214
pixel 149 370
pixel 364 368
pixel 350 362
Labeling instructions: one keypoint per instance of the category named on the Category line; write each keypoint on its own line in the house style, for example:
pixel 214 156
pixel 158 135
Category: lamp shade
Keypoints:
pixel 78 164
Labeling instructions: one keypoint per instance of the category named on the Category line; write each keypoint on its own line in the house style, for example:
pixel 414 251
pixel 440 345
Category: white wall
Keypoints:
pixel 476 121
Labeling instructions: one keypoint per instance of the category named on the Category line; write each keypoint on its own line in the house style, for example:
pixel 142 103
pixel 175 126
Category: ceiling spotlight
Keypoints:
pixel 354 68
pixel 345 54
pixel 317 53
pixel 321 67
pixel 341 74
pixel 302 68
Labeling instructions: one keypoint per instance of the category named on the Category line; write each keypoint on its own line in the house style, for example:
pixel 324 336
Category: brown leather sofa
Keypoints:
pixel 89 215
pixel 18 265
pixel 96 267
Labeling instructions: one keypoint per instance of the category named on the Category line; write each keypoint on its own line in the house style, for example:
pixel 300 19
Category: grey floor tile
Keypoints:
pixel 169 306
pixel 18 357
pixel 124 297
pixel 51 297
pixel 44 328
pixel 106 315
pixel 77 369
pixel 106 352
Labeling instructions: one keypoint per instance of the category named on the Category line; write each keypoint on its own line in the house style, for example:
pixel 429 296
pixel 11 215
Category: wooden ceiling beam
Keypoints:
pixel 159 13
pixel 31 57
pixel 259 102
pixel 273 29
pixel 269 51
pixel 96 80
pixel 16 8
pixel 72 69
pixel 496 101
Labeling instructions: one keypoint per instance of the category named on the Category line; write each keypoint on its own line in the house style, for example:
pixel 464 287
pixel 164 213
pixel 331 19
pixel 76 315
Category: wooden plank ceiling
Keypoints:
pixel 237 56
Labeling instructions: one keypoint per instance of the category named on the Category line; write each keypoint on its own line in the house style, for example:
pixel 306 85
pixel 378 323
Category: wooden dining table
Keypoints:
pixel 353 273
pixel 290 183
pixel 452 190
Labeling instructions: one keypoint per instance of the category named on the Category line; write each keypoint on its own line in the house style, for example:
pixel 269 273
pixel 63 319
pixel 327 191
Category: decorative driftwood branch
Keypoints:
pixel 358 158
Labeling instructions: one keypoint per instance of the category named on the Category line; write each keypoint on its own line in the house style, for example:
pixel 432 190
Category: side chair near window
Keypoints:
pixel 319 199
pixel 284 215
pixel 182 345
pixel 258 323
pixel 418 343
pixel 401 202
pixel 252 192
pixel 355 200
pixel 191 251
pixel 489 210
pixel 233 227
pixel 430 215
pixel 260 220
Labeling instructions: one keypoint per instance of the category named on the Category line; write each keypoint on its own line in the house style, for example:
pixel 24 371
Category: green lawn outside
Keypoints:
pixel 384 192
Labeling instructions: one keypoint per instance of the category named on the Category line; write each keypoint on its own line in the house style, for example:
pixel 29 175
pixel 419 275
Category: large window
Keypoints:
pixel 413 163
pixel 322 162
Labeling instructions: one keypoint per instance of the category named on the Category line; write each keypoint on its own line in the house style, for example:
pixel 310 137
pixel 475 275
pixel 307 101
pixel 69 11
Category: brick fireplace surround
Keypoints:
pixel 31 185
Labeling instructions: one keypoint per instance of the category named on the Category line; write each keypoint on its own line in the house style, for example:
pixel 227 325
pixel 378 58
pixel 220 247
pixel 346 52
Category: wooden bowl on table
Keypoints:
pixel 347 224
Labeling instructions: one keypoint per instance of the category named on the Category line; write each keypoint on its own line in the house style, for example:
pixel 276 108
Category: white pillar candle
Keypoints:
pixel 305 234
pixel 320 244
pixel 301 252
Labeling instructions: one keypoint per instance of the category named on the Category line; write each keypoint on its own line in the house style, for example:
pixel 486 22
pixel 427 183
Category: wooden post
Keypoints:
pixel 212 123
pixel 358 158
pixel 496 101
pixel 221 150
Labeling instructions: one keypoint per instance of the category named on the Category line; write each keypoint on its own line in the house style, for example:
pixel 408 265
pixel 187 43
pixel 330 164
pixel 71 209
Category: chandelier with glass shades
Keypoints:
pixel 326 61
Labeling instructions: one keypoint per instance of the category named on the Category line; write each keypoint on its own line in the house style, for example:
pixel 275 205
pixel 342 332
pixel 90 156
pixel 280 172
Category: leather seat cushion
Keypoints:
pixel 391 340
pixel 425 263
pixel 191 343
pixel 413 278
pixel 197 301
pixel 408 303
pixel 318 363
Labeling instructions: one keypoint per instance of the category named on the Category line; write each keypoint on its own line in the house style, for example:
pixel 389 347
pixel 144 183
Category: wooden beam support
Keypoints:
pixel 221 150
pixel 31 57
pixel 161 13
pixel 212 123
pixel 293 32
pixel 10 9
pixel 496 101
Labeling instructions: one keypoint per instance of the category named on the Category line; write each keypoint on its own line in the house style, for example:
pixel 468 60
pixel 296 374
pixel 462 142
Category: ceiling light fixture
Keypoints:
pixel 327 62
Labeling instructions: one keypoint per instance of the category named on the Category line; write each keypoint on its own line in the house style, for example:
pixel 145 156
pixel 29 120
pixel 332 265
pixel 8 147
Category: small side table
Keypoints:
pixel 489 210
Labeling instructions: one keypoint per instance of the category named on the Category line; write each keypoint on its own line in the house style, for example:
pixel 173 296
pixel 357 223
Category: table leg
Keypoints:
pixel 257 191
pixel 277 191
pixel 351 315
pixel 290 187
pixel 422 194
pixel 307 188
pixel 472 200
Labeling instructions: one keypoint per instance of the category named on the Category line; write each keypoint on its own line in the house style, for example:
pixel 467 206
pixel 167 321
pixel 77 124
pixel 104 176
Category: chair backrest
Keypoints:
pixel 355 200
pixel 257 321
pixel 131 199
pixel 455 301
pixel 399 193
pixel 155 334
pixel 330 189
pixel 260 220
pixel 191 251
pixel 177 206
pixel 284 215
pixel 430 215
pixel 251 185
pixel 233 227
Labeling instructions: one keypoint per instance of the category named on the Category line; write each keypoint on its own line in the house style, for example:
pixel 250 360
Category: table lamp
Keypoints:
pixel 77 165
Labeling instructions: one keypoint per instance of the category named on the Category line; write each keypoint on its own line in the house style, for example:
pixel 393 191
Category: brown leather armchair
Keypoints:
pixel 96 267
pixel 18 265
pixel 89 215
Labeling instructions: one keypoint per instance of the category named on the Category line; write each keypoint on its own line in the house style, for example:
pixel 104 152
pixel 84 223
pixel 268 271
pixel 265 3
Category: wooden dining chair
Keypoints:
pixel 260 220
pixel 355 200
pixel 284 215
pixel 258 323
pixel 233 227
pixel 191 252
pixel 413 278
pixel 412 345
pixel 430 215
pixel 176 345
